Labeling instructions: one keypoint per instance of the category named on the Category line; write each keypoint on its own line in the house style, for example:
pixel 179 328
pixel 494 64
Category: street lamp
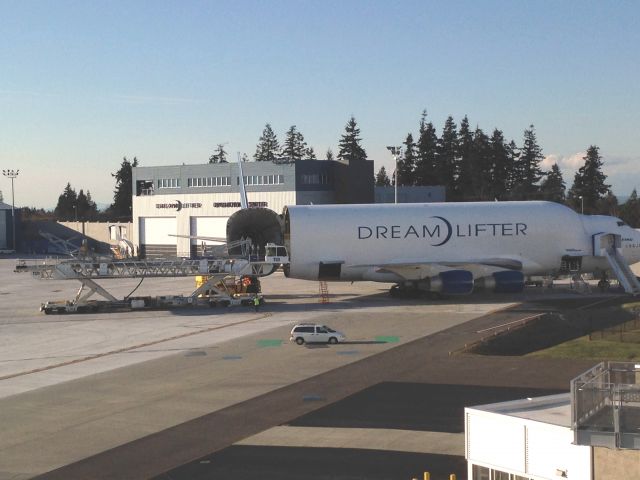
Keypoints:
pixel 581 204
pixel 396 152
pixel 75 212
pixel 12 174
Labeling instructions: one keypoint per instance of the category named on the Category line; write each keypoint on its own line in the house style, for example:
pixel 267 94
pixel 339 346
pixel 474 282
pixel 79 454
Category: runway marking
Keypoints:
pixel 388 339
pixel 128 349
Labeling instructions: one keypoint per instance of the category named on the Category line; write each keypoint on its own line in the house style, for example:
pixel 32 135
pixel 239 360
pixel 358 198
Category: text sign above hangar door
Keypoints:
pixel 178 205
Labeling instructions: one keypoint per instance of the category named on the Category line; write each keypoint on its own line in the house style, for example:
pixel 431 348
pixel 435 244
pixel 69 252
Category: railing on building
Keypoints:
pixel 605 406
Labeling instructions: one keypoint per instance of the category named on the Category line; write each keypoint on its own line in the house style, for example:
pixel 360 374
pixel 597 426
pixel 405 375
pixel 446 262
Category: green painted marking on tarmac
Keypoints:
pixel 388 339
pixel 269 343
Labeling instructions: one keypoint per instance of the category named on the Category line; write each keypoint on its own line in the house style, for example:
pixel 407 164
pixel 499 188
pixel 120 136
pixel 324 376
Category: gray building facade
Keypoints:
pixel 173 203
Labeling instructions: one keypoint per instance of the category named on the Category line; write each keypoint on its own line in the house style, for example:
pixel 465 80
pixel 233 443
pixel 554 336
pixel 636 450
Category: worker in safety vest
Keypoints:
pixel 256 303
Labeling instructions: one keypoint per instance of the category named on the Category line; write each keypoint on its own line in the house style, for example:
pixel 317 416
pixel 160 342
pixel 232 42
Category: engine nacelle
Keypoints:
pixel 504 281
pixel 452 282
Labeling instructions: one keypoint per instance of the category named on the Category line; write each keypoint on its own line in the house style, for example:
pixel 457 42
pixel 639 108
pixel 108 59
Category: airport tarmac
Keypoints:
pixel 76 385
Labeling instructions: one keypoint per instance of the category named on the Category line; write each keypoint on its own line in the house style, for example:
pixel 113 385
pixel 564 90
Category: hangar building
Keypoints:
pixel 198 199
pixel 6 228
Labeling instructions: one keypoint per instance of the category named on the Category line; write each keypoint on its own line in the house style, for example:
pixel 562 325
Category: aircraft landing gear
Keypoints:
pixel 402 291
pixel 604 283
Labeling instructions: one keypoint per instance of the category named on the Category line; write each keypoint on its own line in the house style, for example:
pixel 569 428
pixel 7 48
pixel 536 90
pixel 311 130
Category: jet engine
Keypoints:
pixel 452 282
pixel 504 281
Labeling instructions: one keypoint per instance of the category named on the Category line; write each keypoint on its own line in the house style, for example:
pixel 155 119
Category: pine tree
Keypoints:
pixel 310 154
pixel 67 203
pixel 630 210
pixel 425 172
pixel 220 156
pixel 465 169
pixel 406 163
pixel 294 146
pixel 528 172
pixel 350 149
pixel 268 147
pixel 588 189
pixel 501 165
pixel 120 209
pixel 445 167
pixel 481 166
pixel 330 154
pixel 553 187
pixel 382 179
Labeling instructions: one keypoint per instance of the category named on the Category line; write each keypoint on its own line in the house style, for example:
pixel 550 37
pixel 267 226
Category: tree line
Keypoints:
pixel 470 164
pixel 475 166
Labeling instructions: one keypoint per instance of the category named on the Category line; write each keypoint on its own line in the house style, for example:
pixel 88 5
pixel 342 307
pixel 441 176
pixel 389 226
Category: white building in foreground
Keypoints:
pixel 592 433
pixel 524 439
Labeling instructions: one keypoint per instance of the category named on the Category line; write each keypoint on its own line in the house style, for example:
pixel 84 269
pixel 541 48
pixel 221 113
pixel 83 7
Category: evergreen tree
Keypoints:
pixel 67 203
pixel 481 167
pixel 350 149
pixel 406 163
pixel 426 152
pixel 464 186
pixel 553 187
pixel 268 147
pixel 294 146
pixel 630 210
pixel 588 187
pixel 122 196
pixel 382 179
pixel 445 167
pixel 220 156
pixel 528 172
pixel 309 154
pixel 330 154
pixel 513 175
pixel 501 163
pixel 1 197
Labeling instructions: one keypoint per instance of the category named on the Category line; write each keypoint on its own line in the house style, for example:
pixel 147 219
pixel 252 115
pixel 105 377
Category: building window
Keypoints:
pixel 262 180
pixel 314 179
pixel 208 182
pixel 480 473
pixel 168 183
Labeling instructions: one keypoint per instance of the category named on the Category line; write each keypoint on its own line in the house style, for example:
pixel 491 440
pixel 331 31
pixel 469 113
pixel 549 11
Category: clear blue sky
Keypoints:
pixel 84 83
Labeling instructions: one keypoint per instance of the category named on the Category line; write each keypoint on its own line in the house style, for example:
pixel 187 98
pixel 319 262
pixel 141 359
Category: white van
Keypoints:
pixel 312 333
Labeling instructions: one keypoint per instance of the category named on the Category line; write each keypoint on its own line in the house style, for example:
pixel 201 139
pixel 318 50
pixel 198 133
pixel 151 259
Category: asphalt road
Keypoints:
pixel 418 385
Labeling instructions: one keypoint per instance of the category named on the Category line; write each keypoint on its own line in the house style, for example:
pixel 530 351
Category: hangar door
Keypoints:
pixel 154 237
pixel 215 227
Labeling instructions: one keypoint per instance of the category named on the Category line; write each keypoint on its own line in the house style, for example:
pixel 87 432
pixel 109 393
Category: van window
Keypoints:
pixel 304 330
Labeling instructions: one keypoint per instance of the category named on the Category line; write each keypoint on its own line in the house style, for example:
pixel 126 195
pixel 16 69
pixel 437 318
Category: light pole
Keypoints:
pixel 581 204
pixel 396 152
pixel 12 174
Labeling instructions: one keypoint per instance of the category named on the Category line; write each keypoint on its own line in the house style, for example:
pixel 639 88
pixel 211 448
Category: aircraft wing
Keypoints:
pixel 412 270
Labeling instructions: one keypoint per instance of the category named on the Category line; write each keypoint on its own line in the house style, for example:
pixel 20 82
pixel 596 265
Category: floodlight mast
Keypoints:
pixel 396 152
pixel 12 174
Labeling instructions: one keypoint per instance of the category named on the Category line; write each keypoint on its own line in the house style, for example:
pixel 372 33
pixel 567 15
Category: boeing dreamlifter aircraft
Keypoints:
pixel 448 248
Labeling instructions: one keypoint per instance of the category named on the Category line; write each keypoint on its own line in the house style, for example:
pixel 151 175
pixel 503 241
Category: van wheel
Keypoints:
pixel 299 340
pixel 333 340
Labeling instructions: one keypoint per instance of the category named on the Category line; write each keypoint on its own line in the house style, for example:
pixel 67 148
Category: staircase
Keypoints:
pixel 622 271
pixel 324 292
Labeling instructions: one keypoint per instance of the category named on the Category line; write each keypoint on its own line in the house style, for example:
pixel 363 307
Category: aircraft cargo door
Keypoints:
pixel 207 227
pixel 154 237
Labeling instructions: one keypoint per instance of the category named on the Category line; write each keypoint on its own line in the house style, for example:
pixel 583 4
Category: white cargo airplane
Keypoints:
pixel 444 248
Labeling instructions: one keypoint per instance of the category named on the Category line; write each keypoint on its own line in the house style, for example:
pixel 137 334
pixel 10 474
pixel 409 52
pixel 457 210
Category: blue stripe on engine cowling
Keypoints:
pixel 508 281
pixel 457 282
